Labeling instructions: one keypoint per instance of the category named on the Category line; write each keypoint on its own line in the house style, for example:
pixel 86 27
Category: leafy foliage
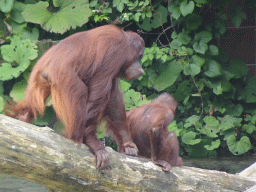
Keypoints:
pixel 217 101
pixel 6 6
pixel 70 14
pixel 18 55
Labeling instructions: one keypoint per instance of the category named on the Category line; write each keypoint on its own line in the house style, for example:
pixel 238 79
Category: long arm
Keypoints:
pixel 156 138
pixel 116 118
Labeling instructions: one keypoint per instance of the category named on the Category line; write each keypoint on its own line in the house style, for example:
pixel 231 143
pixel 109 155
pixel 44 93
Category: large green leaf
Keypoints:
pixel 198 60
pixel 71 14
pixel 192 69
pixel 239 147
pixel 193 21
pixel 6 5
pixel 249 92
pixel 134 99
pixel 168 73
pixel 211 127
pixel 174 9
pixel 249 128
pixel 234 109
pixel 214 145
pixel 16 12
pixel 212 68
pixel 204 36
pixel 238 17
pixel 213 50
pixel 176 43
pixel 124 85
pixel 184 38
pixel 191 121
pixel 238 68
pixel 184 90
pixel 200 47
pixel 187 8
pixel 189 138
pixel 18 55
pixel 227 122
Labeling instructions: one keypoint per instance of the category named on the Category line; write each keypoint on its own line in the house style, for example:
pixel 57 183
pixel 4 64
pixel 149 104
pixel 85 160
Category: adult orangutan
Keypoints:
pixel 148 127
pixel 81 74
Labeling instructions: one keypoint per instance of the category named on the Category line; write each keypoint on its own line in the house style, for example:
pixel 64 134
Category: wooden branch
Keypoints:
pixel 39 155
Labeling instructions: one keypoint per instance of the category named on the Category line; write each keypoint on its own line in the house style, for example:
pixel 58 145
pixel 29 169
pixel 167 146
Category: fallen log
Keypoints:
pixel 39 155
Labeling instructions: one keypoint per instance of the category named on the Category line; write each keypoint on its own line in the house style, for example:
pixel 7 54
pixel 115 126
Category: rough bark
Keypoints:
pixel 39 155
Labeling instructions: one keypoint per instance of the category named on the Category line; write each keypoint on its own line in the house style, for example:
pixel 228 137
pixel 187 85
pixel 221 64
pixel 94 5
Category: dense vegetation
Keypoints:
pixel 217 101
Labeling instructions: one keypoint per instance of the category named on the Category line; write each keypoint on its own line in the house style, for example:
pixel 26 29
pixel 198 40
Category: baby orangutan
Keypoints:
pixel 148 127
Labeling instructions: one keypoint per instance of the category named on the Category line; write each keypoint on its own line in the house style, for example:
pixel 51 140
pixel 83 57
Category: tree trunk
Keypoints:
pixel 39 155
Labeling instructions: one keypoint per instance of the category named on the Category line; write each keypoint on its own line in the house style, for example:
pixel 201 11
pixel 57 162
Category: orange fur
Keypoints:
pixel 148 127
pixel 80 73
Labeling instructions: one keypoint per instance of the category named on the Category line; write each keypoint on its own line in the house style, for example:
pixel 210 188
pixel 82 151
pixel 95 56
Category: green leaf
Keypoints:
pixel 120 7
pixel 125 1
pixel 204 36
pixel 227 122
pixel 184 38
pixel 168 73
pixel 238 68
pixel 200 47
pixel 212 126
pixel 239 147
pixel 214 145
pixel 174 10
pixel 18 90
pixel 238 18
pixel 212 68
pixel 192 69
pixel 6 5
pixel 32 34
pixel 217 89
pixel 191 121
pixel 249 128
pixel 137 17
pixel 125 86
pixel 18 52
pixel 134 99
pixel 93 3
pixel 213 50
pixel 16 12
pixel 174 35
pixel 175 44
pixel 184 89
pixel 249 93
pixel 17 28
pixel 164 57
pixel 198 60
pixel 227 75
pixel 234 109
pixel 174 127
pixel 193 21
pixel 190 51
pixel 71 14
pixel 189 138
pixel 186 8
